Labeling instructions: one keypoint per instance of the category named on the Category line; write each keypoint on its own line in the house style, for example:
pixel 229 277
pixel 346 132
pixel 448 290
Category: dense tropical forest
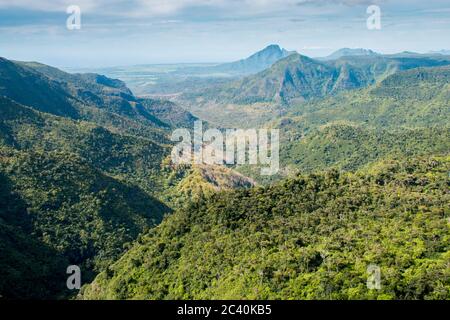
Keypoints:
pixel 87 179
pixel 310 237
pixel 85 168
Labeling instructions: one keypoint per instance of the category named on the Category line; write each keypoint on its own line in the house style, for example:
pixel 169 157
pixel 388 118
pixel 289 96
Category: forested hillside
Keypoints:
pixel 87 179
pixel 405 115
pixel 311 237
pixel 298 79
pixel 90 97
pixel 123 156
pixel 84 169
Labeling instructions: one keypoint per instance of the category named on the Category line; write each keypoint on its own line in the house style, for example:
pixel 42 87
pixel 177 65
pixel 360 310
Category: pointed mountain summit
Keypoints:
pixel 266 57
pixel 255 63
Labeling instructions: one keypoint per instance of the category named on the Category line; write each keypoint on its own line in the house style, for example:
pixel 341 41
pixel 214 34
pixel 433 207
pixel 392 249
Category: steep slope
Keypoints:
pixel 35 89
pixel 312 237
pixel 76 191
pixel 137 160
pixel 294 73
pixel 90 97
pixel 122 156
pixel 82 193
pixel 69 208
pixel 28 272
pixel 168 112
pixel 193 183
pixel 412 98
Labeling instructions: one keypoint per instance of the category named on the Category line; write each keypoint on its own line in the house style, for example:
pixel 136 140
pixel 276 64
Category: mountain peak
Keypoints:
pixel 257 62
pixel 272 47
pixel 347 52
pixel 272 50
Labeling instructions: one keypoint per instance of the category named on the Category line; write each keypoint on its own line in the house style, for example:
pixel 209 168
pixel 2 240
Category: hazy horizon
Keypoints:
pixel 125 33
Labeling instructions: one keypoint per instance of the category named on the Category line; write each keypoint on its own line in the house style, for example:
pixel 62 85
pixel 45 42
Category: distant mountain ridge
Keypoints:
pixel 443 52
pixel 348 52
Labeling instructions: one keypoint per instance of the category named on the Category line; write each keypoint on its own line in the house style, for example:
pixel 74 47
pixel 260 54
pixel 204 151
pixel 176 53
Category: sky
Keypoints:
pixel 118 32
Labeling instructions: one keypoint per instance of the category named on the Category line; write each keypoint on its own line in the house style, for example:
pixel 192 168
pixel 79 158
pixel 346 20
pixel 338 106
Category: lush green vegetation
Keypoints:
pixel 405 115
pixel 77 191
pixel 90 97
pixel 169 112
pixel 85 171
pixel 72 209
pixel 122 156
pixel 349 147
pixel 311 237
pixel 297 79
pixel 31 269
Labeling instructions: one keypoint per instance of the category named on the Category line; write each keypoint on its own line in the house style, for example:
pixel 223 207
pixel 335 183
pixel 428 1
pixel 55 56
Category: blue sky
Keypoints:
pixel 117 32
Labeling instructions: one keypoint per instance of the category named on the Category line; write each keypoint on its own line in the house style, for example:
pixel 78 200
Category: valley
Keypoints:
pixel 88 179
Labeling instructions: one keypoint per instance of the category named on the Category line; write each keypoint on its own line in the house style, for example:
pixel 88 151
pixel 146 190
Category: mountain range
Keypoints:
pixel 348 52
pixel 87 179
pixel 297 78
pixel 294 80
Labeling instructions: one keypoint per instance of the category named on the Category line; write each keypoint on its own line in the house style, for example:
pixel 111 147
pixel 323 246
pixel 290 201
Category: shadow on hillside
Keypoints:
pixel 30 269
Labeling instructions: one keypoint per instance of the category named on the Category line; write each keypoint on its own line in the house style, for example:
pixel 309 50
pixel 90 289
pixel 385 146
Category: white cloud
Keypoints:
pixel 146 7
pixel 341 2
pixel 51 5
